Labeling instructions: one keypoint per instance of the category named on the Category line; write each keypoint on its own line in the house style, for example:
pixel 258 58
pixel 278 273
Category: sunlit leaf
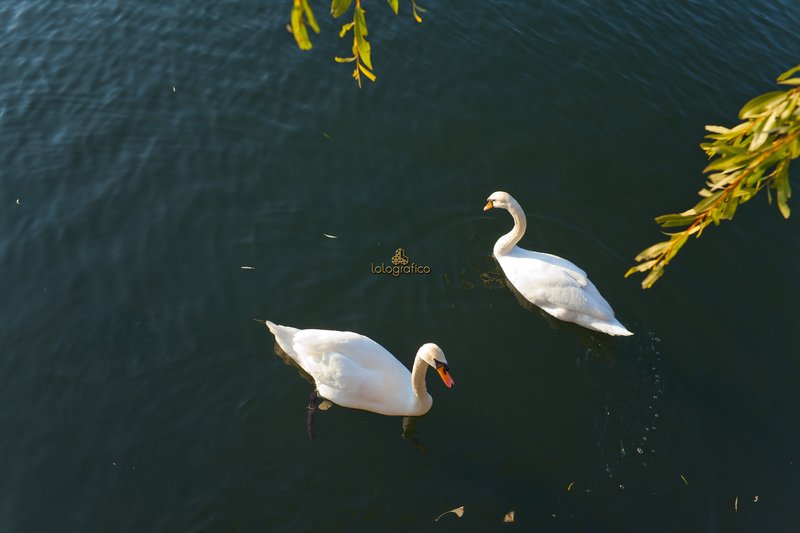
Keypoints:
pixel 717 129
pixel 759 104
pixel 788 73
pixel 393 5
pixel 509 517
pixel 347 27
pixel 366 72
pixel 673 221
pixel 301 12
pixel 310 16
pixel 338 7
pixel 344 59
pixel 414 9
pixel 652 251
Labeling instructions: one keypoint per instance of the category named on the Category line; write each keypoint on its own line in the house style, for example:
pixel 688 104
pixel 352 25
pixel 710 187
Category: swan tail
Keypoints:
pixel 284 336
pixel 614 328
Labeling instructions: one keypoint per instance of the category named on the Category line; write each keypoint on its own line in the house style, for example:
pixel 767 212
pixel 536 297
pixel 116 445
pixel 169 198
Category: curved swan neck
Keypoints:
pixel 418 378
pixel 505 243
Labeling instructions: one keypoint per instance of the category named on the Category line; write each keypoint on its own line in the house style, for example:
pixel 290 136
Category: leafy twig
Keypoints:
pixel 745 159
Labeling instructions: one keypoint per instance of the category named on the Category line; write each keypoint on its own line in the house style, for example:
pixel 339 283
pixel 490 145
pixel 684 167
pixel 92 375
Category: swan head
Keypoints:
pixel 499 199
pixel 434 356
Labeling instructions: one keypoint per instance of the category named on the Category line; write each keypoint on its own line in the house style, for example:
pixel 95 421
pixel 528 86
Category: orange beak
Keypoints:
pixel 488 205
pixel 448 381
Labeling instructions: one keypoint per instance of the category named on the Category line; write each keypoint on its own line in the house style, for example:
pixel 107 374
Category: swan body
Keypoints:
pixel 354 371
pixel 552 283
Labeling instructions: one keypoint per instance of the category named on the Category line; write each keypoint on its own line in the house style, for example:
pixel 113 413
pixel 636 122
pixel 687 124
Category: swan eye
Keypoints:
pixel 439 365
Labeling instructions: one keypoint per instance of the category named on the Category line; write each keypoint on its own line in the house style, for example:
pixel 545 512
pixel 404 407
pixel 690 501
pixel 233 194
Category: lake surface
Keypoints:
pixel 150 150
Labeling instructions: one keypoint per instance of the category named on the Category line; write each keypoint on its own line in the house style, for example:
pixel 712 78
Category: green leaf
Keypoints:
pixel 788 73
pixel 393 5
pixel 301 10
pixel 783 192
pixel 364 49
pixel 641 267
pixel 344 59
pixel 298 26
pixel 338 7
pixel 730 163
pixel 759 104
pixel 704 204
pixel 672 221
pixel 310 16
pixel 677 243
pixel 347 27
pixel 652 277
pixel 652 251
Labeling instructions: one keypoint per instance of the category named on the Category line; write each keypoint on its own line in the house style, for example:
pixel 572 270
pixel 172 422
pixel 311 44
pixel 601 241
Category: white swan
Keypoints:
pixel 554 284
pixel 354 371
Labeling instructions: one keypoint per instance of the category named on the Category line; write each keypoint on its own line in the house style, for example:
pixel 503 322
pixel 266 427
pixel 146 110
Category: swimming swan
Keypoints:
pixel 354 371
pixel 554 284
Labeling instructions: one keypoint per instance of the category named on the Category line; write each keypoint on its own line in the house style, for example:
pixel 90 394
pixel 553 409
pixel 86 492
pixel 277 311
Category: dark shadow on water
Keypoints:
pixel 410 432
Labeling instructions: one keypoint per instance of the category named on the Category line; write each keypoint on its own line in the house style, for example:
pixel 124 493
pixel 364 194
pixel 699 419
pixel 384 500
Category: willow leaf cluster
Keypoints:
pixel 745 159
pixel 303 18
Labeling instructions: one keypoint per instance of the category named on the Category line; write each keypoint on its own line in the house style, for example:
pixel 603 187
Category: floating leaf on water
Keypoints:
pixel 509 517
pixel 736 504
pixel 327 136
pixel 458 511
pixel 755 499
pixel 569 487
pixel 248 267
pixel 330 236
pixel 684 480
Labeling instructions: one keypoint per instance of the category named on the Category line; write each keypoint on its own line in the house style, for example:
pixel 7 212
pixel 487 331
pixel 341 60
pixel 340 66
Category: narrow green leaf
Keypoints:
pixel 651 278
pixel 344 59
pixel 789 73
pixel 704 204
pixel 364 49
pixel 652 251
pixel 673 221
pixel 641 267
pixel 347 27
pixel 338 7
pixel 759 104
pixel 310 16
pixel 299 30
pixel 393 5
pixel 677 244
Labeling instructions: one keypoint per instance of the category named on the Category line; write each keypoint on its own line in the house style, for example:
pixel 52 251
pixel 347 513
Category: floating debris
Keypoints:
pixel 173 88
pixel 736 504
pixel 684 480
pixel 327 136
pixel 509 517
pixel 569 487
pixel 248 267
pixel 458 511
pixel 755 499
pixel 330 236
pixel 17 201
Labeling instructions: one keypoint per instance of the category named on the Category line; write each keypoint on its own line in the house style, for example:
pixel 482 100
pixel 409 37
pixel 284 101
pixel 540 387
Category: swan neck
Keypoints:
pixel 418 378
pixel 509 240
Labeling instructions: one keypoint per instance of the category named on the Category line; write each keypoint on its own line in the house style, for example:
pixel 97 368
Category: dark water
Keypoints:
pixel 136 393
